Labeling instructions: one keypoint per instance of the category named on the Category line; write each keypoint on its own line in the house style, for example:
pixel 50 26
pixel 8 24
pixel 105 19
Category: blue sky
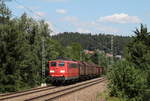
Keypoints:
pixel 119 17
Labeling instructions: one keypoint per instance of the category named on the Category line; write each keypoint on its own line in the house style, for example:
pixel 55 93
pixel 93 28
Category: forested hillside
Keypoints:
pixel 92 42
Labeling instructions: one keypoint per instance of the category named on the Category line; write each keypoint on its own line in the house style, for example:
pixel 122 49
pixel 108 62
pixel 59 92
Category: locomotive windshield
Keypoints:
pixel 53 64
pixel 61 64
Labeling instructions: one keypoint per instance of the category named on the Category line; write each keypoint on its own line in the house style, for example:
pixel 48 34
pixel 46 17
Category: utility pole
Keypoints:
pixel 81 55
pixel 98 59
pixel 43 63
pixel 98 55
pixel 112 45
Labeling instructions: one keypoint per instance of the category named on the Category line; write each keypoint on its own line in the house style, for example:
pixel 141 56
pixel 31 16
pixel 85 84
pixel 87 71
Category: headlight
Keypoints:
pixel 62 71
pixel 51 71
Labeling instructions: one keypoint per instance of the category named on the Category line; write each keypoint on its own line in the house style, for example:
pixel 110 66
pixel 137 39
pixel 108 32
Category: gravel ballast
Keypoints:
pixel 87 94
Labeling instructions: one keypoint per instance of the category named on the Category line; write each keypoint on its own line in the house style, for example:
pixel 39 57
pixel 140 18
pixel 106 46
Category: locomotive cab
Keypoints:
pixel 61 70
pixel 57 68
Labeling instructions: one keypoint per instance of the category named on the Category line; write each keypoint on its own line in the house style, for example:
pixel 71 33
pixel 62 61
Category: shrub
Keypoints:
pixel 126 81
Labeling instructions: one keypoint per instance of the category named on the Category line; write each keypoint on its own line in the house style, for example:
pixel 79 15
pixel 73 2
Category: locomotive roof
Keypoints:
pixel 64 60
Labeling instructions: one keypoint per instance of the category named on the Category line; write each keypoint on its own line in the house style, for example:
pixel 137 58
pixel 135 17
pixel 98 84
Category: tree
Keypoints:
pixel 138 51
pixel 20 63
pixel 14 49
pixel 100 59
pixel 126 81
pixel 73 51
pixel 5 13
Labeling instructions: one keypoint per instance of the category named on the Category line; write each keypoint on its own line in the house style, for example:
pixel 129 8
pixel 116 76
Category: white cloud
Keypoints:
pixel 121 18
pixel 61 11
pixel 88 26
pixel 81 30
pixel 100 28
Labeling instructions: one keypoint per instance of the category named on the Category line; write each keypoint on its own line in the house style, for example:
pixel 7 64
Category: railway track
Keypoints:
pixel 72 91
pixel 66 91
pixel 7 94
pixel 26 92
pixel 50 93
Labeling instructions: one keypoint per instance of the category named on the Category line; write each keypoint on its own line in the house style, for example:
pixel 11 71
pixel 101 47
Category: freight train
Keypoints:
pixel 63 71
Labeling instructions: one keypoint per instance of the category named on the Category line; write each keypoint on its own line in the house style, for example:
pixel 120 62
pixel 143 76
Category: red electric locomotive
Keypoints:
pixel 64 70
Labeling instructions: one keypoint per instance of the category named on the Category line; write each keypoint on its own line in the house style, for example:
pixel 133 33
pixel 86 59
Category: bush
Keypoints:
pixel 126 81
